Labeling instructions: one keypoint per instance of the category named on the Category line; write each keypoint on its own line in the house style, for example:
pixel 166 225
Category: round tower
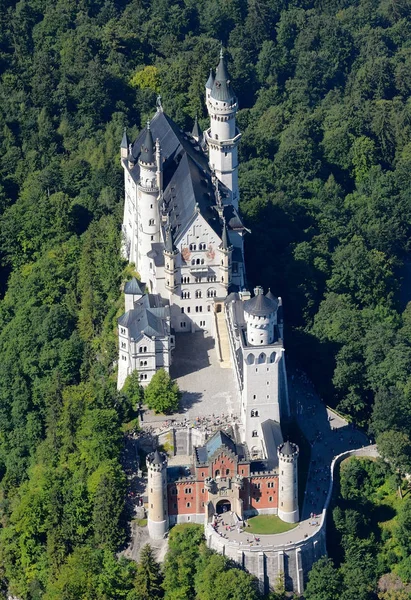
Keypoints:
pixel 226 251
pixel 170 267
pixel 147 202
pixel 157 495
pixel 223 136
pixel 288 482
pixel 260 314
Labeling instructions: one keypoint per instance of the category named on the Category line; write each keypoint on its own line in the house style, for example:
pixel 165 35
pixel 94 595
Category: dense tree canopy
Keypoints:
pixel 325 158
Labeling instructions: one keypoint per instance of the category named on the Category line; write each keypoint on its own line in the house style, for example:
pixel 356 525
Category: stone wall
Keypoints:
pixel 270 563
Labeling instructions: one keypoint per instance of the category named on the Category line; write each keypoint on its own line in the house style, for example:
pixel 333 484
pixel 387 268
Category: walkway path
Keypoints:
pixel 222 337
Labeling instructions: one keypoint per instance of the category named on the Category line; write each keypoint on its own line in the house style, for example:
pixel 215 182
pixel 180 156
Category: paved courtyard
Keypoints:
pixel 207 389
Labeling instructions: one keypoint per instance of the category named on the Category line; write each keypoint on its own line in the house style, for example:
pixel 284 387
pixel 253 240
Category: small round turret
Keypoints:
pixel 157 494
pixel 288 482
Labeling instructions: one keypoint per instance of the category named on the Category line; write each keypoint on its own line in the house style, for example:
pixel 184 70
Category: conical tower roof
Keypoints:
pixel 288 449
pixel 260 305
pixel 210 80
pixel 196 133
pixel 271 297
pixel 157 458
pixel 222 89
pixel 147 148
pixel 124 141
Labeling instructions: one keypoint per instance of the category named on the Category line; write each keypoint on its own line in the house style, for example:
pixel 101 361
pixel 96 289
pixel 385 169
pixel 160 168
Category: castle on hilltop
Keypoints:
pixel 183 231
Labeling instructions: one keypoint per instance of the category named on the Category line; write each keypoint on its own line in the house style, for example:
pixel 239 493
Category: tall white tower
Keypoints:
pixel 223 136
pixel 148 217
pixel 157 495
pixel 288 482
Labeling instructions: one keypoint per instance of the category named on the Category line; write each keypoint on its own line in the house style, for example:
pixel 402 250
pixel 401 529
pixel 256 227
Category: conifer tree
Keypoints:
pixel 148 577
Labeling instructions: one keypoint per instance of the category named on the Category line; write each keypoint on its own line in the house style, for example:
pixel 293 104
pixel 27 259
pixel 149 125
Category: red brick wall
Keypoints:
pixel 223 464
pixel 182 497
pixel 260 496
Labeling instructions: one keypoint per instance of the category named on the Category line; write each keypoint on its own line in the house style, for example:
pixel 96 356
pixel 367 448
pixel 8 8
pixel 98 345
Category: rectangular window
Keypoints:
pixel 188 504
pixel 182 309
pixel 187 491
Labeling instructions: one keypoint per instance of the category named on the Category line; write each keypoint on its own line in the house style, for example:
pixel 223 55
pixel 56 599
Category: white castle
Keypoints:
pixel 183 232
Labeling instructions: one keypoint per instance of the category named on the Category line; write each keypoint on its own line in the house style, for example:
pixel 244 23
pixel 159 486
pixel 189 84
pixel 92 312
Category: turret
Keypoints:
pixel 223 137
pixel 288 482
pixel 124 145
pixel 261 317
pixel 197 134
pixel 170 268
pixel 133 291
pixel 226 251
pixel 157 495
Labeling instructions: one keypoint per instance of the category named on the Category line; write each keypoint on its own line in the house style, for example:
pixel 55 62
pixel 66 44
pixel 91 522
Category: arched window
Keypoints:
pixel 217 473
pixel 202 261
pixel 250 359
pixel 227 471
pixel 262 358
pixel 197 261
pixel 151 222
pixel 198 293
pixel 185 295
pixel 254 434
pixel 193 262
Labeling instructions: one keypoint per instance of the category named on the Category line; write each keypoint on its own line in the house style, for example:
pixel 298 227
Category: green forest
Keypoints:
pixel 325 161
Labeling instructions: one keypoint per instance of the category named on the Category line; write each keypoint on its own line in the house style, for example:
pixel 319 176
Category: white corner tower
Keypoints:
pixel 222 137
pixel 157 495
pixel 288 482
pixel 148 218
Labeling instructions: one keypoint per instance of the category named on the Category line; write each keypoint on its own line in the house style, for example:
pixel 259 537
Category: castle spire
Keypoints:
pixel 221 89
pixel 147 148
pixel 124 141
pixel 197 134
pixel 210 80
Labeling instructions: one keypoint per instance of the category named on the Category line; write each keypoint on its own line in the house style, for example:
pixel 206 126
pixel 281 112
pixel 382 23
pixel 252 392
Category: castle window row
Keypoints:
pixel 142 349
pixel 201 246
pixel 197 261
pixel 261 359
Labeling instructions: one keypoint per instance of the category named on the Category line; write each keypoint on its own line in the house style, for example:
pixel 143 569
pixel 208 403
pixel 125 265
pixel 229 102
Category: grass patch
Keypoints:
pixel 141 522
pixel 266 524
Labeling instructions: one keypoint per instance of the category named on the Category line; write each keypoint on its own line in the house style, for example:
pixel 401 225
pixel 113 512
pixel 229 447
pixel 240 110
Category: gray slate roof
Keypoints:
pixel 124 141
pixel 147 148
pixel 222 90
pixel 134 287
pixel 186 177
pixel 288 449
pixel 148 317
pixel 196 133
pixel 157 458
pixel 260 306
pixel 210 80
